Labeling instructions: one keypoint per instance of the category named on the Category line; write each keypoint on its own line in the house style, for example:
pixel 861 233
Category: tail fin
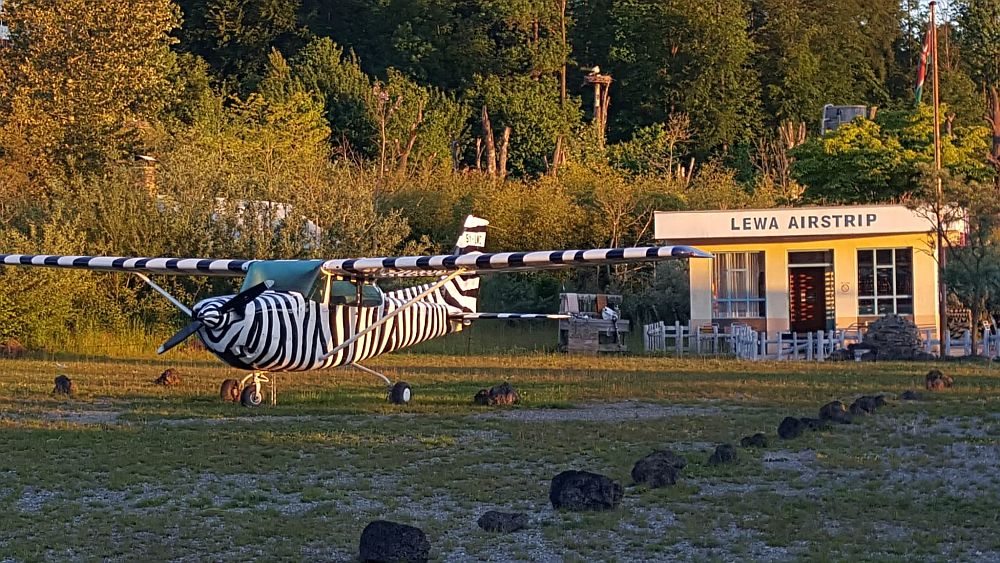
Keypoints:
pixel 471 240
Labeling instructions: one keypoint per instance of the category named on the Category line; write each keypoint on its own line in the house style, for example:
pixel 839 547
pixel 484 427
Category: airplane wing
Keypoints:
pixel 177 266
pixel 370 268
pixel 417 266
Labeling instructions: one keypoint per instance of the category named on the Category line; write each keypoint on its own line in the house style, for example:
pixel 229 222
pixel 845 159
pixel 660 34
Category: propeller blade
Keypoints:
pixel 181 336
pixel 244 297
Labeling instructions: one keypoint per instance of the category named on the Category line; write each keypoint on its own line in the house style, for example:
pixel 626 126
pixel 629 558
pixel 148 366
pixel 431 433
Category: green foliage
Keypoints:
pixel 866 161
pixel 979 25
pixel 686 56
pixel 235 36
pixel 532 110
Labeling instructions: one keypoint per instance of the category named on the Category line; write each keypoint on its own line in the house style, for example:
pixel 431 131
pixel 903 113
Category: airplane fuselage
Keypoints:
pixel 285 331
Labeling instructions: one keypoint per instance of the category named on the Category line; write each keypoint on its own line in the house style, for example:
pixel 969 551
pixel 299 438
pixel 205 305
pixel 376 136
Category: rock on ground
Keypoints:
pixel 583 490
pixel 168 377
pixel 382 540
pixel 789 428
pixel 867 404
pixel 936 381
pixel 64 386
pixel 504 522
pixel 724 453
pixel 813 423
pixel 835 411
pixel 658 469
pixel 503 394
pixel 910 395
pixel 758 440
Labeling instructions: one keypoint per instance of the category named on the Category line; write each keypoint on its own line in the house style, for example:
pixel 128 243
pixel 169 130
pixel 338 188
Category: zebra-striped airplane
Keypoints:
pixel 299 315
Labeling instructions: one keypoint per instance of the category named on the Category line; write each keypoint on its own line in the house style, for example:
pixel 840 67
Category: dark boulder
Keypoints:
pixel 583 490
pixel 910 396
pixel 789 428
pixel 724 453
pixel 503 394
pixel 64 386
pixel 504 522
pixel 867 404
pixel 813 423
pixel 758 440
pixel 835 411
pixel 936 381
pixel 658 469
pixel 168 377
pixel 388 541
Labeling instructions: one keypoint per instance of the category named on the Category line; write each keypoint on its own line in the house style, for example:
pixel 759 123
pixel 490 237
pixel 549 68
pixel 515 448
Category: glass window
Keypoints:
pixel 885 281
pixel 738 285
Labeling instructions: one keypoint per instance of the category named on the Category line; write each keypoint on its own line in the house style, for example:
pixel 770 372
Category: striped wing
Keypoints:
pixel 411 266
pixel 177 266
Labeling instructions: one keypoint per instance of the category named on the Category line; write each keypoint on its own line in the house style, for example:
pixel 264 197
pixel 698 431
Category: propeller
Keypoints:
pixel 237 303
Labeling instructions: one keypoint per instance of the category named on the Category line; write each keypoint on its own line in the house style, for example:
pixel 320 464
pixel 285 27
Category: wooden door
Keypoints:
pixel 807 299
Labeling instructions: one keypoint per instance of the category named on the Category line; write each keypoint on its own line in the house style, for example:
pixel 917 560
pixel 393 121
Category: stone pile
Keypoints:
pixel 896 338
pixel 387 541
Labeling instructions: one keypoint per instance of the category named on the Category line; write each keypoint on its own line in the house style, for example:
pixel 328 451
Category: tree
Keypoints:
pixel 532 110
pixel 83 80
pixel 686 56
pixel 876 161
pixel 235 36
pixel 979 21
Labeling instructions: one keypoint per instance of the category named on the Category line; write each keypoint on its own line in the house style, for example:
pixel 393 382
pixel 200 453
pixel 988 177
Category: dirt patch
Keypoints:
pixel 602 412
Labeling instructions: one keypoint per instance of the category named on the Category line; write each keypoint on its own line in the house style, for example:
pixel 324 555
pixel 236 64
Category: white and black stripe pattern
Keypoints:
pixel 187 266
pixel 532 316
pixel 506 261
pixel 283 331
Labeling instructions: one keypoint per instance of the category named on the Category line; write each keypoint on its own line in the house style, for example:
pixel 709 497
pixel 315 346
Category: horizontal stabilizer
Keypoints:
pixel 536 316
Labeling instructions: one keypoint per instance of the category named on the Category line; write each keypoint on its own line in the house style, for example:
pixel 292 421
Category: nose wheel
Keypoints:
pixel 249 391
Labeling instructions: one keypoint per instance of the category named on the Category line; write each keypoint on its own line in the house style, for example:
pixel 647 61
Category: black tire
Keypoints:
pixel 401 393
pixel 230 391
pixel 251 396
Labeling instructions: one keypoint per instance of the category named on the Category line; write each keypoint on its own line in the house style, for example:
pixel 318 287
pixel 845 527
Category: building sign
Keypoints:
pixel 790 222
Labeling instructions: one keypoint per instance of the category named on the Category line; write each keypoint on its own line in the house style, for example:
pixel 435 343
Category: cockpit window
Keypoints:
pixel 343 292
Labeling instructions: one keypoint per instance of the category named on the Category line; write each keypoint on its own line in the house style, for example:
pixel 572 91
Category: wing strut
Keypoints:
pixel 440 283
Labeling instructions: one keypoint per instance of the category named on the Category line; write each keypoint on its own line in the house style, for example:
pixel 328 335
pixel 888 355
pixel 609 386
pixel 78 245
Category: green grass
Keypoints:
pixel 129 470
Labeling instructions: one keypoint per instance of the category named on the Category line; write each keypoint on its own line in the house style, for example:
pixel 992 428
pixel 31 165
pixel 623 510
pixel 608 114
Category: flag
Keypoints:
pixel 922 67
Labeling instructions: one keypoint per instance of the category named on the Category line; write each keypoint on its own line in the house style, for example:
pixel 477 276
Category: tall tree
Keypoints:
pixel 688 56
pixel 235 36
pixel 82 79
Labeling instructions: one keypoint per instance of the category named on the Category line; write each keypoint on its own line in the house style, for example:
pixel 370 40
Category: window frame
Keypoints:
pixel 753 284
pixel 876 299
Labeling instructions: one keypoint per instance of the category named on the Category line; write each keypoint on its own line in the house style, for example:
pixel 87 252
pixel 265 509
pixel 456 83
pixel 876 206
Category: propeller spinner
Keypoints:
pixel 237 303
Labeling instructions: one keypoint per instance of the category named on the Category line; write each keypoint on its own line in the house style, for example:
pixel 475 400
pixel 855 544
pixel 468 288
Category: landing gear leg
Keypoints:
pixel 399 394
pixel 252 396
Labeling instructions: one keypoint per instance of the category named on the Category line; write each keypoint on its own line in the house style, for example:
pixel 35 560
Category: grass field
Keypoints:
pixel 127 470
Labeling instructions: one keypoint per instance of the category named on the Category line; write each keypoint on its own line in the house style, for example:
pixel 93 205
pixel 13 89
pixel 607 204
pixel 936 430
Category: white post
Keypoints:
pixel 795 345
pixel 946 344
pixel 678 338
pixel 809 346
pixel 821 348
pixel 967 343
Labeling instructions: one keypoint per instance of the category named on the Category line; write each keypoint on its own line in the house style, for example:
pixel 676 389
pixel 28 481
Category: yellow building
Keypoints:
pixel 805 269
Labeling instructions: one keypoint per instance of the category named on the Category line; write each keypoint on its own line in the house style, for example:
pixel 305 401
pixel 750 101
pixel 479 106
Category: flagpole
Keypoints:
pixel 939 204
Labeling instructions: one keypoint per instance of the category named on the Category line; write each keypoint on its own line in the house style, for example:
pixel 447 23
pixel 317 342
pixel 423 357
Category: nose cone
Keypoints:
pixel 690 252
pixel 209 311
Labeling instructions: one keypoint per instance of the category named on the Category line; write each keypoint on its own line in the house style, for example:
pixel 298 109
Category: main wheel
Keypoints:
pixel 400 393
pixel 251 396
pixel 230 390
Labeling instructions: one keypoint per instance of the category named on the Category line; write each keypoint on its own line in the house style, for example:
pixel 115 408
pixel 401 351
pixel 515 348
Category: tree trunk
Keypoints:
pixel 502 164
pixel 993 118
pixel 491 153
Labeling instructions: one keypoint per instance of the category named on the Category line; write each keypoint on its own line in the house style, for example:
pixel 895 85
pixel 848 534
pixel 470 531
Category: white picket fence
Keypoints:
pixel 744 342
